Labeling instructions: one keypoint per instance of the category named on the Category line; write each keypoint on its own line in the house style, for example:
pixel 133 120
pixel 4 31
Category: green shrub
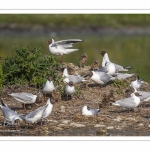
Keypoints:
pixel 29 66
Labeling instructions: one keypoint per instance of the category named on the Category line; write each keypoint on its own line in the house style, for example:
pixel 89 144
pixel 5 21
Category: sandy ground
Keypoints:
pixel 66 118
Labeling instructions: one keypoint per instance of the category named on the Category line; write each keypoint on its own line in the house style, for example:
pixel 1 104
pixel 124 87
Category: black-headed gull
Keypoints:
pixel 83 59
pixel 34 116
pixel 109 68
pixel 69 89
pixel 24 97
pixel 118 67
pixel 130 102
pixel 135 82
pixel 10 115
pixel 62 47
pixel 100 77
pixel 48 87
pixel 49 108
pixel 74 78
pixel 145 96
pixel 87 111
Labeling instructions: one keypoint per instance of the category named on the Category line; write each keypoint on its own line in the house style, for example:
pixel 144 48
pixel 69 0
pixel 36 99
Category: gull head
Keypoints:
pixel 133 78
pixel 49 78
pixel 137 94
pixel 53 101
pixel 102 53
pixel 49 42
pixel 88 108
pixel 70 84
pixel 90 73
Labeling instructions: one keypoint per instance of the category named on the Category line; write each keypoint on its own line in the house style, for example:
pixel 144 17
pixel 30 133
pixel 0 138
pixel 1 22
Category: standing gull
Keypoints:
pixel 48 87
pixel 69 89
pixel 34 116
pixel 128 103
pixel 118 67
pixel 74 78
pixel 10 115
pixel 145 96
pixel 136 82
pixel 49 108
pixel 100 77
pixel 24 97
pixel 109 68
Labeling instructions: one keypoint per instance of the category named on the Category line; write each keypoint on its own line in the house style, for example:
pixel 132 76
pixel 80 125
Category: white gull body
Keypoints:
pixel 24 97
pixel 9 115
pixel 48 87
pixel 90 111
pixel 137 83
pixel 145 96
pixel 100 77
pixel 109 68
pixel 118 67
pixel 128 103
pixel 70 89
pixel 35 116
pixel 48 109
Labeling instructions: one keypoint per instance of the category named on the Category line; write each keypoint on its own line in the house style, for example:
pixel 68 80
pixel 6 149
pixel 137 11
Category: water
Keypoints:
pixel 123 49
pixel 87 131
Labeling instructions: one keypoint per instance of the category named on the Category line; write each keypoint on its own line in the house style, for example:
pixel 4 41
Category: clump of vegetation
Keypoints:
pixel 120 84
pixel 29 66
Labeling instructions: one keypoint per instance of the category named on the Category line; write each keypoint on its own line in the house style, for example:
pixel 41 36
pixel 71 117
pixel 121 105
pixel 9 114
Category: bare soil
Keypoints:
pixel 66 118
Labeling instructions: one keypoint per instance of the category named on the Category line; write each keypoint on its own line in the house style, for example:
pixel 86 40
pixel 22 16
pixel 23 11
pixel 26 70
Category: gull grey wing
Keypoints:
pixel 75 78
pixel 23 96
pixel 33 113
pixel 126 103
pixel 103 69
pixel 36 111
pixel 144 96
pixel 104 77
pixel 66 43
pixel 118 67
pixel 94 112
pixel 121 76
pixel 8 113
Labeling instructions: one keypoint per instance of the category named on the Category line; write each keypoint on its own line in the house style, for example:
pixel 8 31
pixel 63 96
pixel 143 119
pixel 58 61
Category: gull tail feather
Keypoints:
pixel 128 68
pixel 70 50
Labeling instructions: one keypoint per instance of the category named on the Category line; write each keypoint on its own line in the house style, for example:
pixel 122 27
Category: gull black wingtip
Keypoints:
pixel 2 103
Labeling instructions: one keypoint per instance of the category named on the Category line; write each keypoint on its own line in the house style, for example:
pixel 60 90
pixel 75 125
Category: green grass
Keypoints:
pixel 78 20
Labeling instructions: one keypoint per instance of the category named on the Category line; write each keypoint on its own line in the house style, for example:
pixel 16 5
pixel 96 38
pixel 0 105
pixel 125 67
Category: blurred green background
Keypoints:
pixel 126 37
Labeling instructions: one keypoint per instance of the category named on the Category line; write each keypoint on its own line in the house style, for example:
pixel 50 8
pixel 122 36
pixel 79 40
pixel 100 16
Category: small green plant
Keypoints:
pixel 120 84
pixel 29 66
